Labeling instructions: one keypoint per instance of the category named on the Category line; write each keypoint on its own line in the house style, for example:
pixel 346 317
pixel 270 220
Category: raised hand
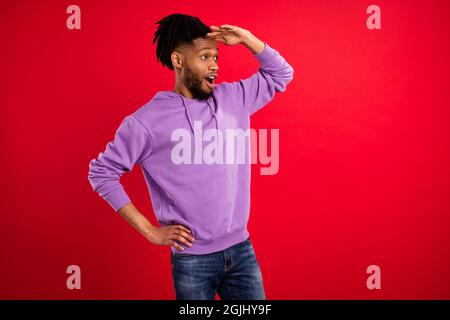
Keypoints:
pixel 228 34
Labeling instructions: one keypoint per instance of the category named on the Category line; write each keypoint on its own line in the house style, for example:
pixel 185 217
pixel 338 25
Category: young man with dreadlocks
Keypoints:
pixel 202 206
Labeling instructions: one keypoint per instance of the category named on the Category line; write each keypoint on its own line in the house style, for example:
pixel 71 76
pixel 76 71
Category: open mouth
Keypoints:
pixel 210 80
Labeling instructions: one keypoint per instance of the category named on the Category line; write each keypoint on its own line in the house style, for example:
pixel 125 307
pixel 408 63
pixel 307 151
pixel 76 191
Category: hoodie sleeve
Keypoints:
pixel 273 76
pixel 131 145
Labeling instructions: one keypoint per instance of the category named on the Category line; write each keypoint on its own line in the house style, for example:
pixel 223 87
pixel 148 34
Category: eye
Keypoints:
pixel 216 58
pixel 204 57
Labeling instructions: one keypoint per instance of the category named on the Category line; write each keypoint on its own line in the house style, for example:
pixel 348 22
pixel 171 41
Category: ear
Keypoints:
pixel 177 60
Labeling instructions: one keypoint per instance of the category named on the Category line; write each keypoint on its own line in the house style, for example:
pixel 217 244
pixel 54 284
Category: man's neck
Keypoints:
pixel 181 89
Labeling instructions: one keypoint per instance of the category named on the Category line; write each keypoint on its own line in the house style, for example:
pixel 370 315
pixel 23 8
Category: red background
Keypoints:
pixel 364 147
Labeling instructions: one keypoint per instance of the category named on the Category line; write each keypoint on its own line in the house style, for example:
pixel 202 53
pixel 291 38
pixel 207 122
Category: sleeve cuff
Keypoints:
pixel 117 198
pixel 266 56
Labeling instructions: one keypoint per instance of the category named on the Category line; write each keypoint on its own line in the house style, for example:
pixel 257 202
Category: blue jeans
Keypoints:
pixel 233 273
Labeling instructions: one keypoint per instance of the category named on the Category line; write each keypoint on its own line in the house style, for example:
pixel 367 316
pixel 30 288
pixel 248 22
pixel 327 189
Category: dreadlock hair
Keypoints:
pixel 175 30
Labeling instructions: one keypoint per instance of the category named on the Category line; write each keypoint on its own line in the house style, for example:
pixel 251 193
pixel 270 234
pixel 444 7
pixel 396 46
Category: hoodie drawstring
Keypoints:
pixel 189 116
pixel 214 114
pixel 187 113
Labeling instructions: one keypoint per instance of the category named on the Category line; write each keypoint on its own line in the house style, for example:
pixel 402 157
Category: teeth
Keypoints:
pixel 210 79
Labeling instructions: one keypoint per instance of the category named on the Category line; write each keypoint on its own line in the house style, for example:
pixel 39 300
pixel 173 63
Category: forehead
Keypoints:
pixel 202 44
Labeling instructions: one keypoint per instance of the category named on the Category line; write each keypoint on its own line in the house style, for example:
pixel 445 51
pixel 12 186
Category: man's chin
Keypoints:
pixel 203 95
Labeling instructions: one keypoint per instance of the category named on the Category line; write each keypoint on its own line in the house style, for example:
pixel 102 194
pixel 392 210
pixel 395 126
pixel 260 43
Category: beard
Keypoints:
pixel 194 84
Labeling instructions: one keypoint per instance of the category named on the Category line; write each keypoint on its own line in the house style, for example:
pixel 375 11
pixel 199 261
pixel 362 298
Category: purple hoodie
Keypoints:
pixel 212 199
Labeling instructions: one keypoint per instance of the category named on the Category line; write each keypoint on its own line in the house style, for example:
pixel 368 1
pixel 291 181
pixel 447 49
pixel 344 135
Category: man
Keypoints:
pixel 201 201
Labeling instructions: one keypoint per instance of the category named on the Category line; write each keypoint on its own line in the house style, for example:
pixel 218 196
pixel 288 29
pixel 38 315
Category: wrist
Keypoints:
pixel 255 45
pixel 149 232
pixel 248 39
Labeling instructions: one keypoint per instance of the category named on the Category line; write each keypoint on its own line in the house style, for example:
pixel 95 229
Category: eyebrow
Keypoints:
pixel 209 48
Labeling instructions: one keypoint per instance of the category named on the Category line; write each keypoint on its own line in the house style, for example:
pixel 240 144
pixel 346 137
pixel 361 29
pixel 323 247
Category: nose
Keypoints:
pixel 214 66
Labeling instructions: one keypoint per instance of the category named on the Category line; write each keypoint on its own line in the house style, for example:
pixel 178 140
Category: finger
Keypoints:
pixel 186 235
pixel 220 38
pixel 176 245
pixel 181 227
pixel 213 34
pixel 214 28
pixel 228 27
pixel 181 239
